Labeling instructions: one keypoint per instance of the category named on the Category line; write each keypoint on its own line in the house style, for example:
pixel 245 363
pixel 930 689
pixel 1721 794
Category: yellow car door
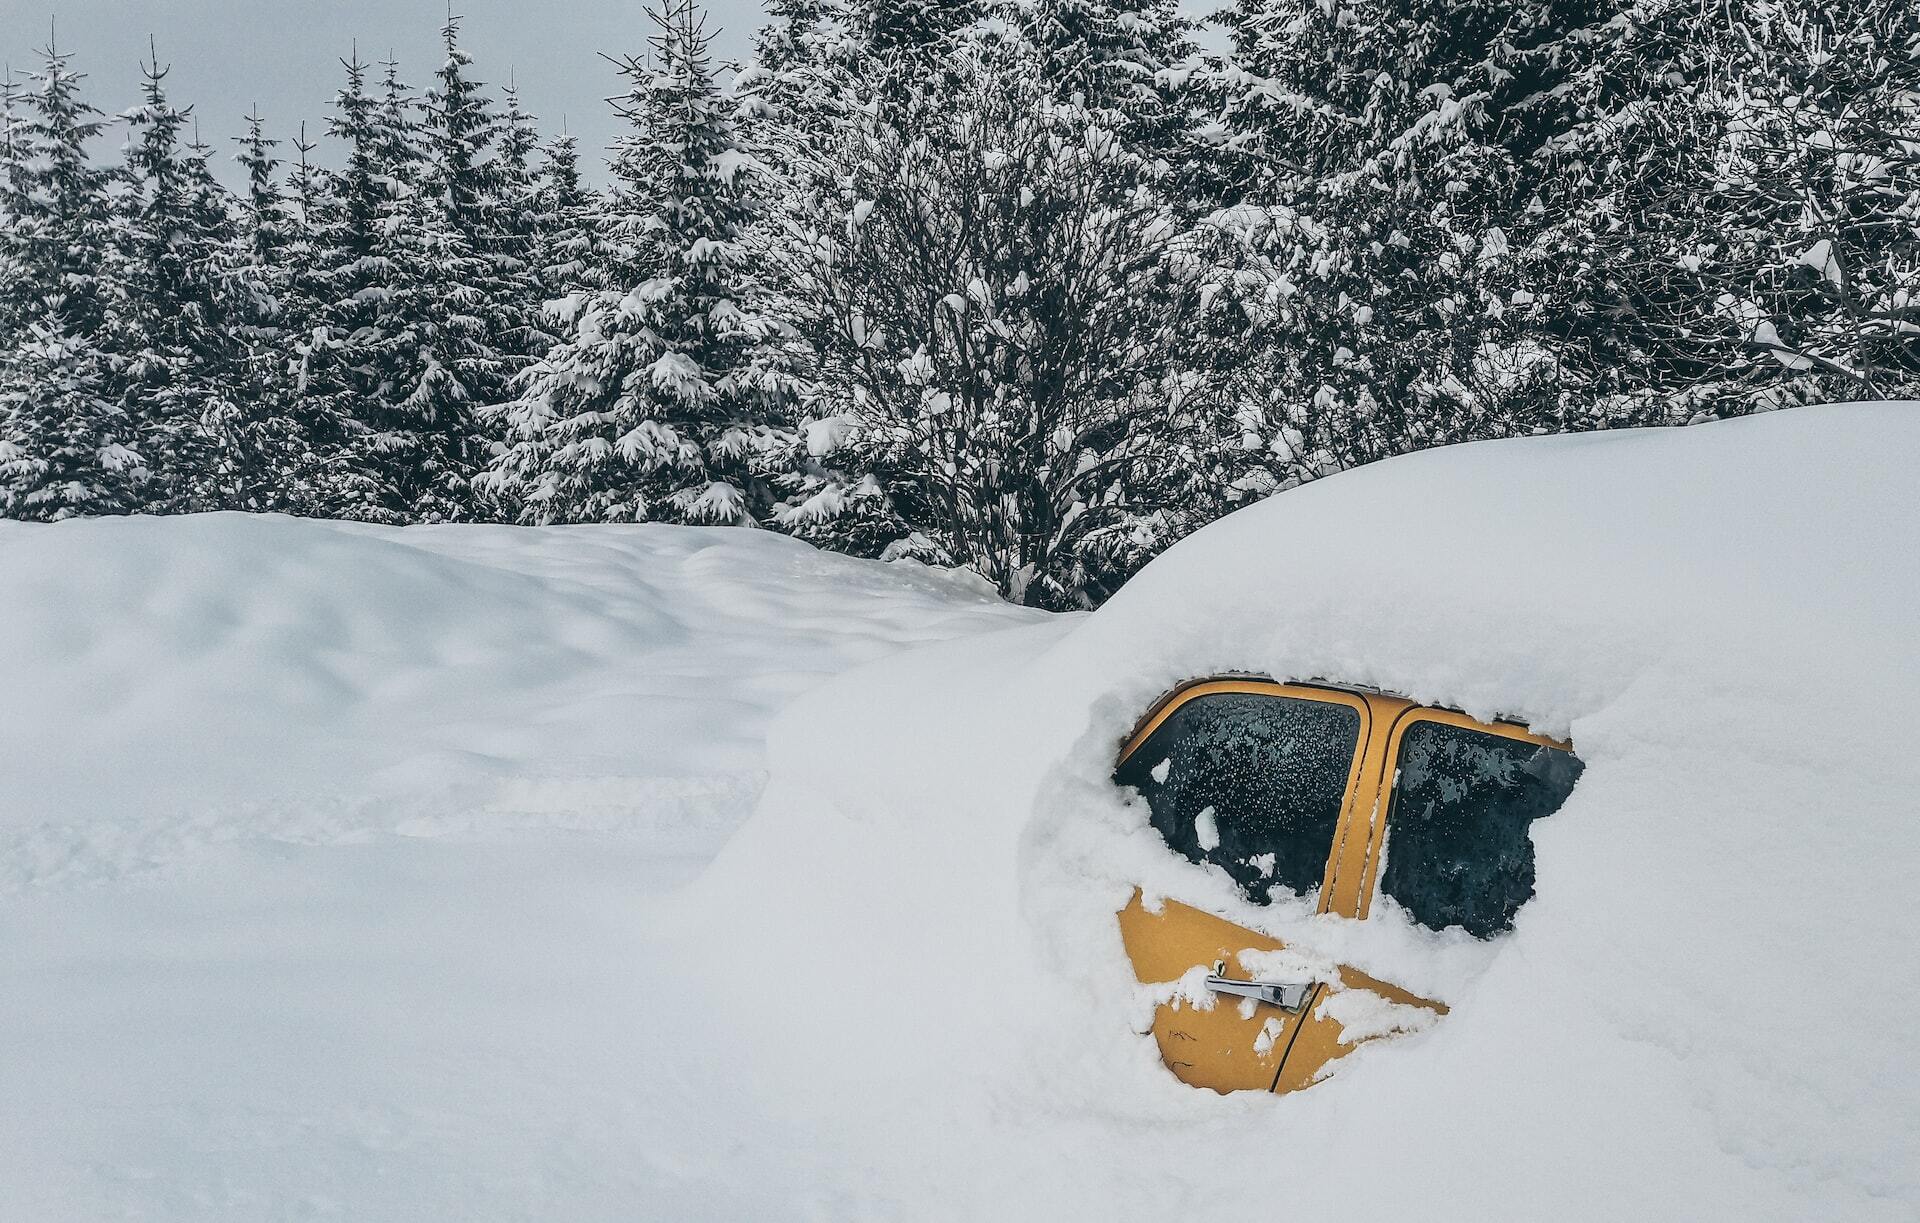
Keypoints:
pixel 1291 789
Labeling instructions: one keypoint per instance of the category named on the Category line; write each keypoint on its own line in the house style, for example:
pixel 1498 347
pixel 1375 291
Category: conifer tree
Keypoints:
pixel 518 219
pixel 905 36
pixel 1373 258
pixel 264 224
pixel 1728 234
pixel 173 331
pixel 572 251
pixel 665 400
pixel 61 232
pixel 454 286
pixel 1114 54
pixel 266 434
pixel 341 359
pixel 67 446
pixel 517 230
pixel 15 206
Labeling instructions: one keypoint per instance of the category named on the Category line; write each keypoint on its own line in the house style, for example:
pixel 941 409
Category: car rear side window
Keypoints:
pixel 1459 851
pixel 1250 782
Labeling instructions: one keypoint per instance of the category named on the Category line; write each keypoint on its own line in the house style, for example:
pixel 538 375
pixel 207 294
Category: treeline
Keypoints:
pixel 1033 286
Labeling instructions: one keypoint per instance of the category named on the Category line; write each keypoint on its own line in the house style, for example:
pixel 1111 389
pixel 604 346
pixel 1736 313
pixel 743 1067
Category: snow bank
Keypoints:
pixel 1705 1013
pixel 174 682
pixel 328 853
pixel 379 874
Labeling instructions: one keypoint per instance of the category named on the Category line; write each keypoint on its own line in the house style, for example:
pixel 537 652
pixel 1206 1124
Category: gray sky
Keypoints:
pixel 284 54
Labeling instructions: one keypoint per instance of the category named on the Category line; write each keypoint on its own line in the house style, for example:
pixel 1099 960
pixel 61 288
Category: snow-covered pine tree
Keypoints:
pixel 325 475
pixel 520 229
pixel 342 359
pixel 266 437
pixel 172 331
pixel 666 399
pixel 457 288
pixel 572 252
pixel 798 87
pixel 796 98
pixel 1749 219
pixel 396 127
pixel 60 231
pixel 66 444
pixel 1820 161
pixel 1119 55
pixel 1372 266
pixel 264 225
pixel 14 205
pixel 792 33
pixel 906 36
pixel 390 348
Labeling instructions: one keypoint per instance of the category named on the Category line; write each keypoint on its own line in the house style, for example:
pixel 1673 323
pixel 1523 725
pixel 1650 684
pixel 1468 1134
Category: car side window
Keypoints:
pixel 1250 782
pixel 1459 851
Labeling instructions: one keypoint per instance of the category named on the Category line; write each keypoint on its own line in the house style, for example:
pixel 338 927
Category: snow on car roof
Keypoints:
pixel 344 870
pixel 1705 1011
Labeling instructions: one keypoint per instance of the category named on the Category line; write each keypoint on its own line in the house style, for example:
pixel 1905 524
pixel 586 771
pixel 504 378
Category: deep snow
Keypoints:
pixel 1707 1012
pixel 326 851
pixel 370 874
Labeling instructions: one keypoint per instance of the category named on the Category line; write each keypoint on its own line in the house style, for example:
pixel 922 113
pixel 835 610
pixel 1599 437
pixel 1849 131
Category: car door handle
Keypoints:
pixel 1289 996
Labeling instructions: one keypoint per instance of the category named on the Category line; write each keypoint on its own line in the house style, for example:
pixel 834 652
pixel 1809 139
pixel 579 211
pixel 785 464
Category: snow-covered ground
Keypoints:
pixel 327 852
pixel 409 875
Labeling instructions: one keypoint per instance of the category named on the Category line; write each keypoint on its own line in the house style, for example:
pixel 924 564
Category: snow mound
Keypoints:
pixel 1706 1011
pixel 328 853
pixel 375 874
pixel 173 682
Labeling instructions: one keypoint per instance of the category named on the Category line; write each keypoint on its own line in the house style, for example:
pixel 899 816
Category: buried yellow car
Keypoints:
pixel 1334 794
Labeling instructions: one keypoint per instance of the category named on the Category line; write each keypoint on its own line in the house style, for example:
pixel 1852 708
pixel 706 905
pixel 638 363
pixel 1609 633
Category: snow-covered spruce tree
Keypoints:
pixel 907 37
pixel 314 452
pixel 67 446
pixel 266 440
pixel 1122 56
pixel 265 225
pixel 801 91
pixel 392 351
pixel 520 228
pixel 15 204
pixel 1383 203
pixel 344 356
pixel 463 290
pixel 58 239
pixel 173 330
pixel 665 401
pixel 997 324
pixel 1822 176
pixel 571 252
pixel 1752 224
pixel 799 88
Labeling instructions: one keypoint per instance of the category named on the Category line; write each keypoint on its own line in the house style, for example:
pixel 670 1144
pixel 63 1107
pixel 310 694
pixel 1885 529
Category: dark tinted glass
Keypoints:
pixel 1458 849
pixel 1250 783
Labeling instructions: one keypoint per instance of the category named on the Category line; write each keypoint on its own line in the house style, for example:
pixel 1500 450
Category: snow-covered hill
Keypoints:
pixel 325 849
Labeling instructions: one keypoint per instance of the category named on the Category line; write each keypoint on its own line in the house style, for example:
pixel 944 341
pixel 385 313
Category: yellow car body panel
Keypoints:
pixel 1230 1045
pixel 1233 1045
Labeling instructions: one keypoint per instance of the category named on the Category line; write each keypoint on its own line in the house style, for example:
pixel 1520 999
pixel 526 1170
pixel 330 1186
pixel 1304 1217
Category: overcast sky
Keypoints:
pixel 284 54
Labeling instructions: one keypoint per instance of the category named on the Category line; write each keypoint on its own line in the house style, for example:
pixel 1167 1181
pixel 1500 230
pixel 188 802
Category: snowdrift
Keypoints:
pixel 373 874
pixel 326 851
pixel 1706 1011
pixel 186 680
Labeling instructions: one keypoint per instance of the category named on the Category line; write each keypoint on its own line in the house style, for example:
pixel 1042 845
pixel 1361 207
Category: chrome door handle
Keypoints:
pixel 1289 996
